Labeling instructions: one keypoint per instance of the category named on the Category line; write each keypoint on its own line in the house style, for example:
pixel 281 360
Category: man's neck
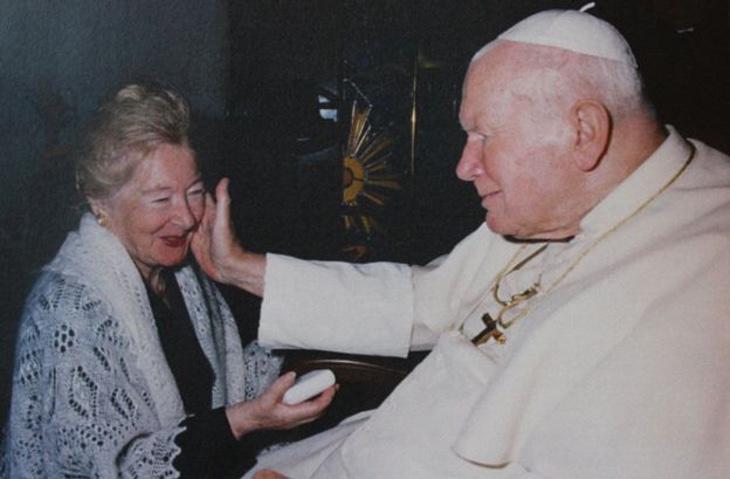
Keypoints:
pixel 633 140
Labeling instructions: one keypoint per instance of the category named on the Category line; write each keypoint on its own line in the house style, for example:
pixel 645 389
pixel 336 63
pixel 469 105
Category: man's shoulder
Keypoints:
pixel 702 196
pixel 713 163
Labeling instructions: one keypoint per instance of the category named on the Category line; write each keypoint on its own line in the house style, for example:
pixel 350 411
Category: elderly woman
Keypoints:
pixel 129 363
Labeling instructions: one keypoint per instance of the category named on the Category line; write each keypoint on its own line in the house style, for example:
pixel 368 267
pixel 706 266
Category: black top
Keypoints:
pixel 207 446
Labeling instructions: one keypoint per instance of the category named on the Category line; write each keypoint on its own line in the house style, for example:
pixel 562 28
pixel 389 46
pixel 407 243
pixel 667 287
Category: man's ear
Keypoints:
pixel 592 125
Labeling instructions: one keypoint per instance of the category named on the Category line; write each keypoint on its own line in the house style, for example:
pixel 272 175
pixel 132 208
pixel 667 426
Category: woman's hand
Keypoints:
pixel 268 411
pixel 218 251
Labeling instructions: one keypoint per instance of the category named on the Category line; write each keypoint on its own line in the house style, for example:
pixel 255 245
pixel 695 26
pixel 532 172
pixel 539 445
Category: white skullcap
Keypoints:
pixel 574 31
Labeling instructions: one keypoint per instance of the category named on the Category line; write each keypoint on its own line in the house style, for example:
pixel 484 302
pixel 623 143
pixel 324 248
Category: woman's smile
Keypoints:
pixel 175 241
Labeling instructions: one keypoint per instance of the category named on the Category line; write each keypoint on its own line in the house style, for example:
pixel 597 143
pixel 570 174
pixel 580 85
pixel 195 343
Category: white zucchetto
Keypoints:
pixel 574 31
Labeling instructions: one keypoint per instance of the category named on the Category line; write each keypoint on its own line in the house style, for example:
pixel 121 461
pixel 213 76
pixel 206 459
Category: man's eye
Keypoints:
pixel 162 199
pixel 197 192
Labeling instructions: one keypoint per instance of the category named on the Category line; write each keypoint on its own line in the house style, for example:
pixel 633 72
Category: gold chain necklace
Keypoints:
pixel 517 298
pixel 491 329
pixel 495 327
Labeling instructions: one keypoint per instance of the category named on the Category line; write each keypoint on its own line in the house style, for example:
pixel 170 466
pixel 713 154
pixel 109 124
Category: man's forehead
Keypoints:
pixel 504 58
pixel 507 79
pixel 486 95
pixel 495 69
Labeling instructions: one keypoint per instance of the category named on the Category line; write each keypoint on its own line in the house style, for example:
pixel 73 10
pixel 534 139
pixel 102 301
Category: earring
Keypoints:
pixel 101 219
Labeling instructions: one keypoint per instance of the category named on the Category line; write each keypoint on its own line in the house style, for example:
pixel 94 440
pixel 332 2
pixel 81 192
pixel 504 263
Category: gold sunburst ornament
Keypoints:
pixel 366 175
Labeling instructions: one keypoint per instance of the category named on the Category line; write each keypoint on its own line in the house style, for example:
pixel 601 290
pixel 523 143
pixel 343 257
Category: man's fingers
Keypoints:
pixel 221 190
pixel 268 474
pixel 209 213
pixel 223 205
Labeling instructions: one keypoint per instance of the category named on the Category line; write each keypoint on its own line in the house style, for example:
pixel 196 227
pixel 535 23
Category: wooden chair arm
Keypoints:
pixel 365 381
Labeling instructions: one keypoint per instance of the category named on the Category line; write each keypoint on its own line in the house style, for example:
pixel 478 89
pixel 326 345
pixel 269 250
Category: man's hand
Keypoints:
pixel 214 241
pixel 268 474
pixel 268 411
pixel 218 251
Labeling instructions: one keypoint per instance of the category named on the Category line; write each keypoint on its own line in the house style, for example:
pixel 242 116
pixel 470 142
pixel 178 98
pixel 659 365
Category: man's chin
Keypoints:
pixel 510 232
pixel 516 232
pixel 495 226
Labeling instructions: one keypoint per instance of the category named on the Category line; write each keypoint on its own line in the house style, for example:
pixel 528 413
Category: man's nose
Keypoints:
pixel 469 166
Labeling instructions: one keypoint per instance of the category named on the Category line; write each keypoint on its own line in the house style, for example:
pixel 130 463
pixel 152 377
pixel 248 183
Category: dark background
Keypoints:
pixel 253 71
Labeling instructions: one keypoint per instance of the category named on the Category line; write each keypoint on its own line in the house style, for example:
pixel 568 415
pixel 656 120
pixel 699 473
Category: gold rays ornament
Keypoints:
pixel 367 178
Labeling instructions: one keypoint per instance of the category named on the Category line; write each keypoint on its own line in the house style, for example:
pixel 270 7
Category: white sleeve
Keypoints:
pixel 353 308
pixel 377 308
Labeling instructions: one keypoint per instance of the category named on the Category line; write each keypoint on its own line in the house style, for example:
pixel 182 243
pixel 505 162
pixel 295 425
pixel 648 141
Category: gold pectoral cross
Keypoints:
pixel 492 325
pixel 490 331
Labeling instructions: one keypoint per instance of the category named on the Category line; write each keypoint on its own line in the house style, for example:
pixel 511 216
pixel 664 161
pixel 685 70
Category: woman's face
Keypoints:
pixel 155 213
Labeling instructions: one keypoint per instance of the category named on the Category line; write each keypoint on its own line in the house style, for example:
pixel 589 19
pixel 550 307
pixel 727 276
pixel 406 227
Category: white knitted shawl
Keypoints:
pixel 93 395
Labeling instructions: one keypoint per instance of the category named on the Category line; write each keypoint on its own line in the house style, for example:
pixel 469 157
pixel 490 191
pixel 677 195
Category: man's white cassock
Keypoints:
pixel 619 371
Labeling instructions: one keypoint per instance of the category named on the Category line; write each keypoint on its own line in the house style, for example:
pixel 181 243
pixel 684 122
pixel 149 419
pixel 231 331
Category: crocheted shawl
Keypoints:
pixel 93 395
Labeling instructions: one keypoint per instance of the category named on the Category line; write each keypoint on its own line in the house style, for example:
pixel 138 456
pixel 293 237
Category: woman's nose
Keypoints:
pixel 184 215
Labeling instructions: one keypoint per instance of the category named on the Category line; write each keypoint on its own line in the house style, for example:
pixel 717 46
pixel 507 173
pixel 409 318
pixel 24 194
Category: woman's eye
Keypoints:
pixel 197 192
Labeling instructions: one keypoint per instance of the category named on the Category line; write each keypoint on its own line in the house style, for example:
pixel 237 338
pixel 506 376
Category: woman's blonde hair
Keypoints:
pixel 125 129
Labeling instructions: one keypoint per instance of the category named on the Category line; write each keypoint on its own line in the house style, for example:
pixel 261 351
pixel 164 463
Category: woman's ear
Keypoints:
pixel 592 124
pixel 95 205
pixel 98 208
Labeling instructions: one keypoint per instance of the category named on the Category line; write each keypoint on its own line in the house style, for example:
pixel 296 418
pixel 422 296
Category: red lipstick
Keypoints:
pixel 174 241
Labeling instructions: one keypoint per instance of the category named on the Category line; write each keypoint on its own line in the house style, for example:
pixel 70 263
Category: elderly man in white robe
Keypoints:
pixel 582 332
